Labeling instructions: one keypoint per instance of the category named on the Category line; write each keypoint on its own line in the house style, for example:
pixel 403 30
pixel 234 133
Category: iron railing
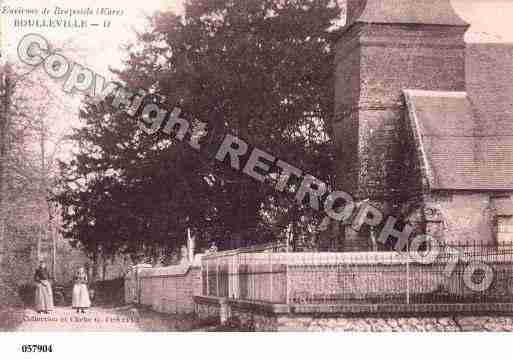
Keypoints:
pixel 361 277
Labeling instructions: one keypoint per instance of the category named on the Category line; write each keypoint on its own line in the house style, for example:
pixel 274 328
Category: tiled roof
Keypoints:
pixel 433 12
pixel 454 153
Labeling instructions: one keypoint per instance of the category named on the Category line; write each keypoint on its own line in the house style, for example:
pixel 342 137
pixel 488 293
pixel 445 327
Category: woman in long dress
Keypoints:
pixel 44 294
pixel 81 299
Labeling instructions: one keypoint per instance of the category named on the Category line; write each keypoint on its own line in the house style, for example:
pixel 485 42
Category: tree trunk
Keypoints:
pixel 4 118
pixel 95 265
pixel 54 247
pixel 4 127
pixel 104 268
pixel 38 242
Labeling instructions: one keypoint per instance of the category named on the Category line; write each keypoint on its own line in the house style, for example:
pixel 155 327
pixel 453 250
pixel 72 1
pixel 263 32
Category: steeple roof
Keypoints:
pixel 427 12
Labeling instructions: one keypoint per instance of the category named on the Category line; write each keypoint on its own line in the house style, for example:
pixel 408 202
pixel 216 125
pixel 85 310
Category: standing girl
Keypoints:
pixel 81 299
pixel 44 294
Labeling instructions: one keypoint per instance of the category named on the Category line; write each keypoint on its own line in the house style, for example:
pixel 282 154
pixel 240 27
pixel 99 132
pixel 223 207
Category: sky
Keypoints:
pixel 490 19
pixel 96 48
pixel 99 48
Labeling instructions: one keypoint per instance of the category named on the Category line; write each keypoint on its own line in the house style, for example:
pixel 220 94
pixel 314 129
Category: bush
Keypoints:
pixel 109 292
pixel 62 293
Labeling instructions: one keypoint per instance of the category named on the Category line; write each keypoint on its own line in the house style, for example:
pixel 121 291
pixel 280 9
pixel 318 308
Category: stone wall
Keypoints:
pixel 165 289
pixel 272 318
pixel 316 280
pixel 391 282
pixel 325 291
pixel 357 277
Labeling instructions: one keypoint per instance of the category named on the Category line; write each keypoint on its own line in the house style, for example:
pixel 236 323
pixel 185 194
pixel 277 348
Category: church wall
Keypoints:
pixel 490 87
pixel 345 126
pixel 394 58
pixel 467 218
pixel 374 64
pixel 505 231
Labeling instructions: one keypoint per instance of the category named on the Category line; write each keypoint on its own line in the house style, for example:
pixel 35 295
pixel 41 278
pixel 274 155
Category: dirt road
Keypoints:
pixel 129 319
pixel 66 319
pixel 97 319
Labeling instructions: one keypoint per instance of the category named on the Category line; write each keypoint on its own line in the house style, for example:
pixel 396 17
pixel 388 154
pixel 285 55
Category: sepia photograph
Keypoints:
pixel 255 166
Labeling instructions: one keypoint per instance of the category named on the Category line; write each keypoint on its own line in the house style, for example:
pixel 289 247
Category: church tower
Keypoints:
pixel 388 46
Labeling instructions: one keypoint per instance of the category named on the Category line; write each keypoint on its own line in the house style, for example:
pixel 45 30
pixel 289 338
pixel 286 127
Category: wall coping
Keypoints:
pixel 362 258
pixel 258 248
pixel 179 270
pixel 254 306
pixel 359 309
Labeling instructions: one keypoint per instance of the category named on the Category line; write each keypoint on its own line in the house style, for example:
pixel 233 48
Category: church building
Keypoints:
pixel 424 122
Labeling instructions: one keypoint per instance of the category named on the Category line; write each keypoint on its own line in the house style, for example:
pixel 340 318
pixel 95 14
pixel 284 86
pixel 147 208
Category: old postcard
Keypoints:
pixel 256 165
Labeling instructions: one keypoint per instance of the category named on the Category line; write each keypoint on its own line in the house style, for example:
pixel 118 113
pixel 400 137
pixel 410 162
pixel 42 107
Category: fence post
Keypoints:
pixel 408 276
pixel 207 289
pixel 287 282
pixel 254 293
pixel 271 277
pixel 231 282
pixel 235 276
pixel 217 277
pixel 163 299
pixel 138 285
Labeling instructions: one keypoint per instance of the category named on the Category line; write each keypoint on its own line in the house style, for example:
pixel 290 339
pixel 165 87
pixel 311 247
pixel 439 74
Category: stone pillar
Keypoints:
pixel 388 46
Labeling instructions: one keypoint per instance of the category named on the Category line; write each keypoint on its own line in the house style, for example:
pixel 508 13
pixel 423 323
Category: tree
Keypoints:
pixel 261 69
pixel 28 151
